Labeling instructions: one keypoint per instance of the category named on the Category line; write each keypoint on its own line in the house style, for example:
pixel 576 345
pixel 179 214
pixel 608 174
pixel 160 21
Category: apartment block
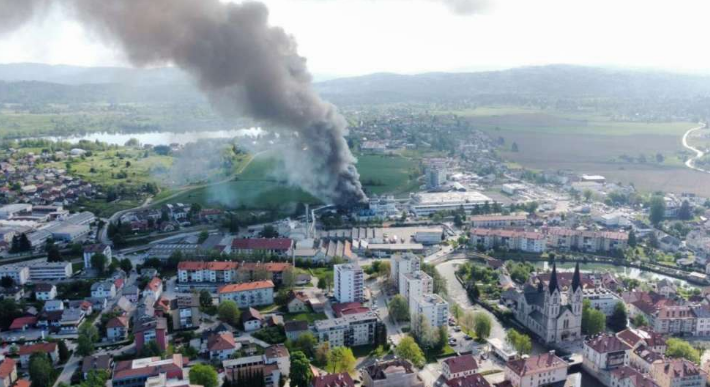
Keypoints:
pixel 348 331
pixel 348 283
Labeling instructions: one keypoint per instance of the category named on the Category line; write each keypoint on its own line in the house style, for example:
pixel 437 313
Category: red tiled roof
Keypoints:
pixel 535 363
pixel 251 314
pixel 197 265
pixel 333 380
pixel 232 288
pixel 679 368
pixel 118 322
pixel 262 244
pixel 276 351
pixel 475 380
pixel 348 308
pixel 461 364
pixel 20 322
pixel 154 284
pixel 269 266
pixel 39 347
pixel 6 368
pixel 22 383
pixel 221 341
pixel 607 343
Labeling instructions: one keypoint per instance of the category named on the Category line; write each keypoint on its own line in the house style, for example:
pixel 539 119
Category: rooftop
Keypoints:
pixel 232 288
pixel 536 363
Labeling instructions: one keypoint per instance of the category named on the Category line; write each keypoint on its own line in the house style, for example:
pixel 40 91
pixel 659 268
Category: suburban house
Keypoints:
pixel 131 293
pixel 117 328
pixel 333 380
pixel 536 371
pixel 252 320
pixel 155 329
pixel 27 350
pixel 96 363
pixel 605 352
pixel 105 289
pixel 222 345
pixel 45 291
pixel 458 367
pixel 154 288
pixel 278 354
pixel 298 302
pixel 294 329
pixel 397 372
pixel 23 323
pixel 8 372
pixel 71 319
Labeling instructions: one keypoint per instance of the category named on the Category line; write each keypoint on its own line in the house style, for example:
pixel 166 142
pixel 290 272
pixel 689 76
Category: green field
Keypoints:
pixel 593 144
pixel 309 317
pixel 258 187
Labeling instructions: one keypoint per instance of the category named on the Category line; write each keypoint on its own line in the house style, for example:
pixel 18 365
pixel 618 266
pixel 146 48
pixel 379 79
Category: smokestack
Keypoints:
pixel 244 66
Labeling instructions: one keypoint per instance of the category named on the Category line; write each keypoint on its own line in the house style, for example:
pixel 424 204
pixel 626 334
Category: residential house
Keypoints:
pixel 155 329
pixel 23 323
pixel 187 314
pixel 278 354
pixel 294 329
pixel 27 350
pixel 342 379
pixel 117 328
pixel 102 362
pixel 644 358
pixel 391 373
pixel 8 372
pixel 154 288
pixel 458 367
pixel 678 372
pixel 71 319
pixel 131 293
pixel 252 320
pixel 298 302
pixel 536 371
pixel 222 345
pixel 105 289
pixel 91 250
pixel 604 353
pixel 53 305
pixel 45 291
pixel 629 377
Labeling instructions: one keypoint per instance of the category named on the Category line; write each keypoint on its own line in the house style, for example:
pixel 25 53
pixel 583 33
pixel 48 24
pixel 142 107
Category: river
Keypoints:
pixel 159 138
pixel 630 272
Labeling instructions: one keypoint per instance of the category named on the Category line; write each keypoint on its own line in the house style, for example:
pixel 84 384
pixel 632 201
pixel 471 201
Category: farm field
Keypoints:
pixel 387 174
pixel 595 145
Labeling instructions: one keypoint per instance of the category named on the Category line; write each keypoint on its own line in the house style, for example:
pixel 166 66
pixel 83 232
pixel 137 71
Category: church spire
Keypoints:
pixel 553 279
pixel 576 279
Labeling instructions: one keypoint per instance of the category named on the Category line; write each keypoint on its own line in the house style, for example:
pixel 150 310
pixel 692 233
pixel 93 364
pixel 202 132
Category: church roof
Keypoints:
pixel 553 280
pixel 576 279
pixel 535 298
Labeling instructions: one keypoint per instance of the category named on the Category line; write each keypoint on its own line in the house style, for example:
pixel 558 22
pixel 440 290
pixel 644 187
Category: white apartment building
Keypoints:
pixel 527 241
pixel 348 331
pixel 89 252
pixel 433 308
pixel 45 271
pixel 106 289
pixel 604 353
pixel 416 285
pixel 348 283
pixel 225 272
pixel 677 373
pixel 248 294
pixel 536 371
pixel 602 299
pixel 494 221
pixel 20 274
pixel 401 264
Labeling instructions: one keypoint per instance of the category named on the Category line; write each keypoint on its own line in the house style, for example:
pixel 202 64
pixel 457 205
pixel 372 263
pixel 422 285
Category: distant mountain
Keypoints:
pixel 554 81
pixel 76 75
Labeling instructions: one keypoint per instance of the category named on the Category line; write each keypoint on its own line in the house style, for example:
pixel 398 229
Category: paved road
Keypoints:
pixel 698 153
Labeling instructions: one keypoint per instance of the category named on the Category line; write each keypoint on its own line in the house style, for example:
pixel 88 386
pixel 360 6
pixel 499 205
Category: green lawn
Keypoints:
pixel 306 316
pixel 394 174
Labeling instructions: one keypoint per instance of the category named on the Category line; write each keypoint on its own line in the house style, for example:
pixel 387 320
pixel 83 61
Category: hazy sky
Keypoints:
pixel 347 37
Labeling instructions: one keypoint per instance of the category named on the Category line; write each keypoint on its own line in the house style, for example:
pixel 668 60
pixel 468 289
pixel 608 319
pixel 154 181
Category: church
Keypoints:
pixel 551 313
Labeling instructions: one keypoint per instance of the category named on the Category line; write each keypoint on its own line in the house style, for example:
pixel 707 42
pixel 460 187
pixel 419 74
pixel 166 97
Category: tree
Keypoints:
pixel 151 349
pixel 322 284
pixel 442 338
pixel 203 236
pixel 587 195
pixel 399 308
pixel 289 278
pixel 657 209
pixel 40 370
pixel 54 255
pixel 7 282
pixel 341 359
pixel 482 326
pixel 9 310
pixel 678 348
pixel 685 212
pixel 619 318
pixel 521 342
pixel 95 378
pixel 203 374
pixel 98 262
pixel 384 269
pixel 593 321
pixel 639 321
pixel 514 147
pixel 229 312
pixel 409 350
pixel 269 232
pixel 88 335
pixel 126 265
pixel 653 240
pixel 300 372
pixel 306 343
pixel 63 351
pixel 456 311
pixel 322 351
pixel 632 239
pixel 205 299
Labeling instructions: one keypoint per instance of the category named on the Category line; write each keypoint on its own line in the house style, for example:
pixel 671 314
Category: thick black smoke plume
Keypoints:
pixel 241 62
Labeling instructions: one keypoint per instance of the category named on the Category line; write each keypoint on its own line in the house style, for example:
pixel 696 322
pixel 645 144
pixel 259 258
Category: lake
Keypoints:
pixel 160 138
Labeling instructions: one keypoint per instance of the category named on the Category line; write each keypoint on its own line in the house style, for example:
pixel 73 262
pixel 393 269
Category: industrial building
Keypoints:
pixel 427 203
